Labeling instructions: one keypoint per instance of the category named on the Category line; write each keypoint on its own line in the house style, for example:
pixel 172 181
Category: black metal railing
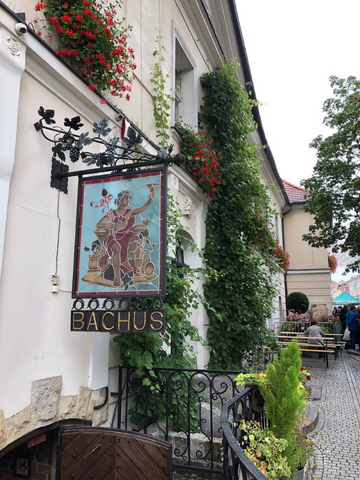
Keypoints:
pixel 236 464
pixel 179 405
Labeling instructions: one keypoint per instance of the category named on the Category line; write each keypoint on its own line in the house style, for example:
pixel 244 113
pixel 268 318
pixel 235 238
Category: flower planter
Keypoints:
pixel 300 475
pixel 257 400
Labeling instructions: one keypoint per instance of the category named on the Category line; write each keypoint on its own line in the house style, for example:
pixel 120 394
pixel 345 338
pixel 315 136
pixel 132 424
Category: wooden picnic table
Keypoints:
pixel 302 333
pixel 328 345
pixel 294 334
pixel 325 338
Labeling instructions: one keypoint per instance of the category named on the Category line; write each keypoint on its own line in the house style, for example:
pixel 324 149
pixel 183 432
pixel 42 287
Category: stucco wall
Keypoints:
pixel 296 224
pixel 309 271
pixel 35 338
pixel 316 287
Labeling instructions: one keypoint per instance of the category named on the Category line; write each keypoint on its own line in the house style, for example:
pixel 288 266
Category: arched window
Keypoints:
pixel 179 254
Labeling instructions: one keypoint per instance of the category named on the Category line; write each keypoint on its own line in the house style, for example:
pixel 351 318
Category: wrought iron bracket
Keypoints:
pixel 58 180
pixel 114 154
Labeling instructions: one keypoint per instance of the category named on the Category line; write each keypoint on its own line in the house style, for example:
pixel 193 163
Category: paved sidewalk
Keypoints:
pixel 334 416
pixel 337 433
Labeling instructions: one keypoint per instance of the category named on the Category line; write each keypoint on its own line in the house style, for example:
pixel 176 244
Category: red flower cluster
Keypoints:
pixel 305 372
pixel 39 6
pixel 93 41
pixel 202 161
pixel 332 263
pixel 206 165
pixel 282 257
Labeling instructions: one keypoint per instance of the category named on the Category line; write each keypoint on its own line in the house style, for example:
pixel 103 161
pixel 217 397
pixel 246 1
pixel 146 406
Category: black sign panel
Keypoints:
pixel 118 321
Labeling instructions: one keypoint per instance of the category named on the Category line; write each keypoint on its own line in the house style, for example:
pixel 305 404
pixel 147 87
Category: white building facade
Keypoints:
pixel 50 376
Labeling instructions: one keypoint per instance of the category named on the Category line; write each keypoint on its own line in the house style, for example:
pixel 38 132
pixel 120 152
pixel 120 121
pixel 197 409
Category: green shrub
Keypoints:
pixel 297 301
pixel 285 400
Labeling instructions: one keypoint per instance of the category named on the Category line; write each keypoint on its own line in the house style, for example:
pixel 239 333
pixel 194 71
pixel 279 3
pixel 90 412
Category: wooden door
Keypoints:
pixel 109 454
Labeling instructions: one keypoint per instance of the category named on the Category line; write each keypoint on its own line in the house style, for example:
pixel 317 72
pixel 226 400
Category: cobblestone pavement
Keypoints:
pixel 337 434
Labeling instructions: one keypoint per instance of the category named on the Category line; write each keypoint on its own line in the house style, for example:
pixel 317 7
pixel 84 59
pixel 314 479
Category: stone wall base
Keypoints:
pixel 48 406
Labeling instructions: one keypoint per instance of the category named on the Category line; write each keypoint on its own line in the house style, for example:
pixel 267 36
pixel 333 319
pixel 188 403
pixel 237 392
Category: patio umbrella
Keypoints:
pixel 345 299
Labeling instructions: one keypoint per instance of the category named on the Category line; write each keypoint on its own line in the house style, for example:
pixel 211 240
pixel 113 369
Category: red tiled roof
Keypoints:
pixel 294 193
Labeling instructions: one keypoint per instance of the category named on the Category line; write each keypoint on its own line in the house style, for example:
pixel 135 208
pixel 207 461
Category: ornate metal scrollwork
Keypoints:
pixel 116 154
pixel 122 304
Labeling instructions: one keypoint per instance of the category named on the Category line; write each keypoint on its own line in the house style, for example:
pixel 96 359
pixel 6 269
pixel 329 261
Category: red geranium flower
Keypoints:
pixel 114 58
pixel 39 6
pixel 65 18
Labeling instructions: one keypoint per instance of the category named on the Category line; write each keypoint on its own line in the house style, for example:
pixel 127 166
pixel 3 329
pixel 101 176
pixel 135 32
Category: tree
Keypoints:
pixel 334 188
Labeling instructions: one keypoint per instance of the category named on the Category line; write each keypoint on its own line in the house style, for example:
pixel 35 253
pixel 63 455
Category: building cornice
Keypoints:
pixel 308 271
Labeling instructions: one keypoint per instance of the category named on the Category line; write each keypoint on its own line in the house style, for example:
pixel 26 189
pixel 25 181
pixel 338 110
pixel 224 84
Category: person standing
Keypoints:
pixel 351 324
pixel 342 316
pixel 358 324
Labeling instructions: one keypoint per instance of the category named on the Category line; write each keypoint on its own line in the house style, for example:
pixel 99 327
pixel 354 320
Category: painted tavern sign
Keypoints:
pixel 120 246
pixel 120 236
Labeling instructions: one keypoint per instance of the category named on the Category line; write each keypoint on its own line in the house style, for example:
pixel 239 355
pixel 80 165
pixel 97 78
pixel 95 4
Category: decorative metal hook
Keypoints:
pixel 116 154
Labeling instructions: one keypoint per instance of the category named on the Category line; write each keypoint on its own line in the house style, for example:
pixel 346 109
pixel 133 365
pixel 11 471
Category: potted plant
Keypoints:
pixel 265 450
pixel 282 386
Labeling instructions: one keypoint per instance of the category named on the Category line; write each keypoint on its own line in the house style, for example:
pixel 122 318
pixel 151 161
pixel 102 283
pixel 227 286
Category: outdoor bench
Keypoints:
pixel 325 348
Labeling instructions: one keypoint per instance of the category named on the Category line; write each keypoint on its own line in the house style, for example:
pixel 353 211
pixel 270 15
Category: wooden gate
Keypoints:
pixel 109 454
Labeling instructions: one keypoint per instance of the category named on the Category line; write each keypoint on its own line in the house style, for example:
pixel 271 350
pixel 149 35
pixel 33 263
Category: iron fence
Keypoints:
pixel 179 405
pixel 300 327
pixel 236 465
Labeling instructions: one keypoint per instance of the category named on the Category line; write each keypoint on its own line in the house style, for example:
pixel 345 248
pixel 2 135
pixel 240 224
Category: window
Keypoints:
pixel 179 255
pixel 185 84
pixel 277 227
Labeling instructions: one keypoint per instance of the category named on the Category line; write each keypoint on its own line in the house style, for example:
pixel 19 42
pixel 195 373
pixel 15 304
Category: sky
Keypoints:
pixel 293 48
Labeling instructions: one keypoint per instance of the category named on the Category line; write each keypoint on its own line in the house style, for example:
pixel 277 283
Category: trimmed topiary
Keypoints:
pixel 297 301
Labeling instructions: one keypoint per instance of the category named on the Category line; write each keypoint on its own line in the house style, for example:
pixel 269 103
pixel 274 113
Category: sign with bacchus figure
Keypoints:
pixel 120 246
pixel 121 242
pixel 120 253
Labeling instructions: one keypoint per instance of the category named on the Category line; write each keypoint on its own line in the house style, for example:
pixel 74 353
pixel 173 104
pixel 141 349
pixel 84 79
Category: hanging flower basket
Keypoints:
pixel 92 40
pixel 332 263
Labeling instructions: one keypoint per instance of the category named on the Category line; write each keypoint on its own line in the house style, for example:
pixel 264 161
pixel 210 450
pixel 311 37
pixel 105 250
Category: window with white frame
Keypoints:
pixel 277 233
pixel 185 84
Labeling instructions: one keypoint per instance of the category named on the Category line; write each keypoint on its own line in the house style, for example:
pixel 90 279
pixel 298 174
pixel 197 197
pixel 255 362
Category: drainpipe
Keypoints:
pixel 283 239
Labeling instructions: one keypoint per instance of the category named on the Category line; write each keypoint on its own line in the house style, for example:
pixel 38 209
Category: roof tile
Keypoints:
pixel 294 193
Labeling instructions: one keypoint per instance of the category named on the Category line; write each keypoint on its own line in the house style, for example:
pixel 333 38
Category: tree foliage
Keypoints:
pixel 334 188
pixel 239 242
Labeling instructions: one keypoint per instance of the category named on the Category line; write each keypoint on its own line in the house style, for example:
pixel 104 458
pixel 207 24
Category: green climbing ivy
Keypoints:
pixel 161 98
pixel 239 242
pixel 147 351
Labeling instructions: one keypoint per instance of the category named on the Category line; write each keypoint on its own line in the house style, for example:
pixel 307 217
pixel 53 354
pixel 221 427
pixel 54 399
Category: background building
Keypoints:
pixel 309 271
